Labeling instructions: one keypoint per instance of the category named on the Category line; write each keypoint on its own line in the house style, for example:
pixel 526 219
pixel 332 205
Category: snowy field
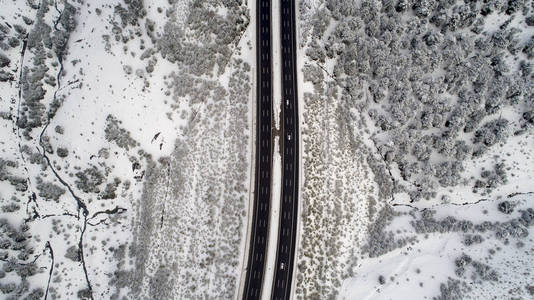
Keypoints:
pixel 418 150
pixel 126 145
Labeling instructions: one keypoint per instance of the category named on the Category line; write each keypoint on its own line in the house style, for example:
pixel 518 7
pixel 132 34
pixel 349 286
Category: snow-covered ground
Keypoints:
pixel 126 148
pixel 252 144
pixel 410 109
pixel 276 59
pixel 480 253
pixel 274 223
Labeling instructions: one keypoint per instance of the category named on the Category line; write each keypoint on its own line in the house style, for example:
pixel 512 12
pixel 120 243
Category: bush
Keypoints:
pixel 89 180
pixel 118 135
pixel 73 253
pixel 50 191
pixel 4 60
pixel 506 207
pixel 492 132
pixel 62 152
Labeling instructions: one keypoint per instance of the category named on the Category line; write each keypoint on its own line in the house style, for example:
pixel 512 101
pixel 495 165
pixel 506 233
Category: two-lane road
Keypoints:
pixel 289 201
pixel 262 194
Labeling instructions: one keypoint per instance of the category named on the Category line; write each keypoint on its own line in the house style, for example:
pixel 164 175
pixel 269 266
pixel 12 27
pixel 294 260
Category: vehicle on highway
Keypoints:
pixel 289 136
pixel 282 266
pixel 287 102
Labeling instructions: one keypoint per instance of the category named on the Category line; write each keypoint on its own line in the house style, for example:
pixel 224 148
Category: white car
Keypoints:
pixel 289 137
pixel 282 266
pixel 287 102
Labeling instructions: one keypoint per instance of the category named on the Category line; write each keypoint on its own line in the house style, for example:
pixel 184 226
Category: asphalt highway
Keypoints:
pixel 262 195
pixel 289 201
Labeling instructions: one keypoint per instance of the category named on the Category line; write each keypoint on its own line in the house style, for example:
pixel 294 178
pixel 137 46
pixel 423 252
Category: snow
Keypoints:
pixel 178 226
pixel 354 176
pixel 276 59
pixel 274 222
pixel 430 261
pixel 402 266
pixel 301 178
pixel 82 143
pixel 109 91
pixel 518 155
pixel 217 151
pixel 247 230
